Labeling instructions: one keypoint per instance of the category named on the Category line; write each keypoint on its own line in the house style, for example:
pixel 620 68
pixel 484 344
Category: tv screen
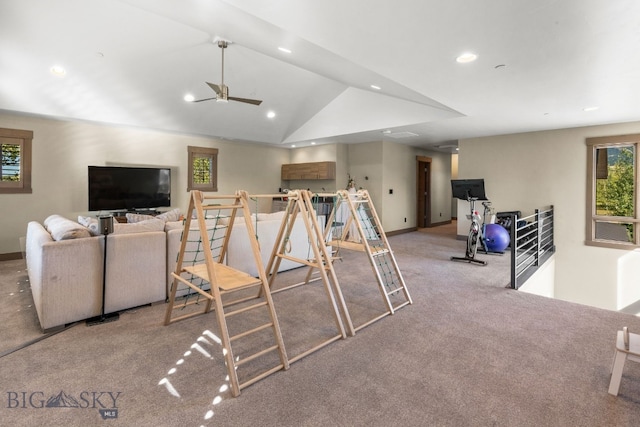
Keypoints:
pixel 130 188
pixel 465 189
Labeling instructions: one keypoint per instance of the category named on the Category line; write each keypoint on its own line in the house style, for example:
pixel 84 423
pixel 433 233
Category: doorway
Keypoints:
pixel 423 180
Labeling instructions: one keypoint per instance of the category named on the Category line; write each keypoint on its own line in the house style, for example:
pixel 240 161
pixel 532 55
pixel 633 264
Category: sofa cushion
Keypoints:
pixel 139 227
pixel 62 228
pixel 225 220
pixel 271 216
pixel 173 225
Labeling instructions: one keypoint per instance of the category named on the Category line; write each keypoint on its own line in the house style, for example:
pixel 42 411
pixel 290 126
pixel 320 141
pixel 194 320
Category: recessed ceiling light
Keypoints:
pixel 466 57
pixel 189 98
pixel 58 70
pixel 588 109
pixel 293 145
pixel 284 49
pixel 313 143
pixel 375 87
pixel 271 114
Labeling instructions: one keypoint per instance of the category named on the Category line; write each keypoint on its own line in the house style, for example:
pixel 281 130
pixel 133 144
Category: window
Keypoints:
pixel 15 161
pixel 612 196
pixel 203 169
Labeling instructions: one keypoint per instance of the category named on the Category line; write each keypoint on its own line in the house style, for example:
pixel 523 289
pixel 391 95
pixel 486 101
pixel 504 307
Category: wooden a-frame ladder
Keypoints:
pixel 299 203
pixel 224 280
pixel 369 238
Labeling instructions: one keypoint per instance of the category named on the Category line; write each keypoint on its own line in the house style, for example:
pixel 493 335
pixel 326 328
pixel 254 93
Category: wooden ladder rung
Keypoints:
pixel 308 262
pixel 191 285
pixel 245 309
pixel 184 316
pixel 395 291
pixel 255 355
pixel 185 304
pixel 251 331
pixel 216 207
pixel 346 244
pixel 379 252
pixel 261 376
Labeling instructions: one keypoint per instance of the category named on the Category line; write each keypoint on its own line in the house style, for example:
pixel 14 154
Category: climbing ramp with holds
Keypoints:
pixel 257 310
pixel 354 225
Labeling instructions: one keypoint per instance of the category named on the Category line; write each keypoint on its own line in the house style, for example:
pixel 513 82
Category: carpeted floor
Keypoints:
pixel 18 319
pixel 467 352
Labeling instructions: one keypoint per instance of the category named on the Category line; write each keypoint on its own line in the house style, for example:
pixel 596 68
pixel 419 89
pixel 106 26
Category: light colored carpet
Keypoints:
pixel 468 352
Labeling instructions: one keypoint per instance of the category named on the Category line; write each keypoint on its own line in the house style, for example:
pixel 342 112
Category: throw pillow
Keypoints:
pixel 132 218
pixel 172 215
pixel 91 223
pixel 62 228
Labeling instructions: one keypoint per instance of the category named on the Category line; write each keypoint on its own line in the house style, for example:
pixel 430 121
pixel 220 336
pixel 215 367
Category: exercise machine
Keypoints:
pixel 471 190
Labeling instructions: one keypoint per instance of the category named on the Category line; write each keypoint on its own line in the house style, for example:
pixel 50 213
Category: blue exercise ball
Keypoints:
pixel 496 237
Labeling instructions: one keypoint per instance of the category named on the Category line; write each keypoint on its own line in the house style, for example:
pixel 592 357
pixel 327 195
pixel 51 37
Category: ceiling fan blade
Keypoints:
pixel 205 99
pixel 245 100
pixel 216 88
pixel 222 90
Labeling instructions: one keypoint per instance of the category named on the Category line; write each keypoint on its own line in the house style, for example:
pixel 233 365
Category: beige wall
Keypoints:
pixel 62 150
pixel 533 170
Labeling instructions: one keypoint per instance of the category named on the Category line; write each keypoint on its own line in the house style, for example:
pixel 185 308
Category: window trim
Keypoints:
pixel 591 217
pixel 212 153
pixel 24 138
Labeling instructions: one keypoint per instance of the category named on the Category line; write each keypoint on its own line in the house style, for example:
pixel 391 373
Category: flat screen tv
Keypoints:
pixel 128 188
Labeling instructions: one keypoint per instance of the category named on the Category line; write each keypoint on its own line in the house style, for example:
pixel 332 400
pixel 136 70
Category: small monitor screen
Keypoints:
pixel 466 189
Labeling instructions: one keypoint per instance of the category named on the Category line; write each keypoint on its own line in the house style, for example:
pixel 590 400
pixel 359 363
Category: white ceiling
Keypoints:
pixel 130 62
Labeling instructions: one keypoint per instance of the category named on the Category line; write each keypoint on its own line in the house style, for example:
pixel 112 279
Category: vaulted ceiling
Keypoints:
pixel 540 65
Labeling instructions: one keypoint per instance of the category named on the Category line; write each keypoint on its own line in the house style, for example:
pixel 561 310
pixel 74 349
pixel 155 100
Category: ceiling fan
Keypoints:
pixel 222 90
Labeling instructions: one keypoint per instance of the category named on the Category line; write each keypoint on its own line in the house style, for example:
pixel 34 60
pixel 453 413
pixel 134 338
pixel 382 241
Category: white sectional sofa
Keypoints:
pixel 65 261
pixel 65 269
